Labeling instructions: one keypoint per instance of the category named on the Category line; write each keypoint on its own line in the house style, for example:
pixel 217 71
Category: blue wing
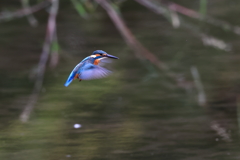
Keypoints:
pixel 75 71
pixel 91 71
pixel 72 75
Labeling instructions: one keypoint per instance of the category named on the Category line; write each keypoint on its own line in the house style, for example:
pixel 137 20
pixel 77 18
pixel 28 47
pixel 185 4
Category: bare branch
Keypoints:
pixel 54 57
pixel 23 12
pixel 51 29
pixel 221 131
pixel 199 86
pixel 31 19
pixel 156 9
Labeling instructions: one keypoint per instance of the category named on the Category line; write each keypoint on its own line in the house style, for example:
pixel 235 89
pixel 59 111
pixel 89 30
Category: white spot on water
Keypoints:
pixel 77 125
pixel 68 155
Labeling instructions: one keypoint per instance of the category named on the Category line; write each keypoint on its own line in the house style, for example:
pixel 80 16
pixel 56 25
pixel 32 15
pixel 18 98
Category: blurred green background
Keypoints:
pixel 139 112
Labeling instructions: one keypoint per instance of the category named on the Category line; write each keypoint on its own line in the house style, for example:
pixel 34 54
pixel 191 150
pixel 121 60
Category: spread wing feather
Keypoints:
pixel 104 60
pixel 88 71
pixel 91 71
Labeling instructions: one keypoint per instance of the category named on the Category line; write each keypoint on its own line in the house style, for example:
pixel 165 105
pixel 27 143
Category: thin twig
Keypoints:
pixel 238 111
pixel 199 86
pixel 221 131
pixel 51 28
pixel 23 12
pixel 153 7
pixel 54 57
pixel 175 19
pixel 31 19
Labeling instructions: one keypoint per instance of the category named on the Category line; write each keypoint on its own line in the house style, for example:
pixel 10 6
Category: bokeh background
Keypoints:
pixel 174 93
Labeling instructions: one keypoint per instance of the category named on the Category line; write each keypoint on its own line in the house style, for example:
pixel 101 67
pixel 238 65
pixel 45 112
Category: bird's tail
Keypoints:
pixel 70 78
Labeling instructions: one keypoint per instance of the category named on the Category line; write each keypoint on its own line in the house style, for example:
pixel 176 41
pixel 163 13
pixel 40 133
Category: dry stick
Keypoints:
pixel 221 131
pixel 54 53
pixel 152 6
pixel 238 111
pixel 199 86
pixel 160 10
pixel 171 16
pixel 31 19
pixel 51 28
pixel 23 12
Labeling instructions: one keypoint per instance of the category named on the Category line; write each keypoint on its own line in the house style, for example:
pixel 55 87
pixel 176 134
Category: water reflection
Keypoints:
pixel 77 126
pixel 137 113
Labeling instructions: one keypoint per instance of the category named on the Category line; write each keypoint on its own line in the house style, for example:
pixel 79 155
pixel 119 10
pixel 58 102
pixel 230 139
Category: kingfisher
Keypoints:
pixel 90 67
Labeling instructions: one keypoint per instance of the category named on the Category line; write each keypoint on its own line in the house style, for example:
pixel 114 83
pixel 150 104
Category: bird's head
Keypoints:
pixel 102 54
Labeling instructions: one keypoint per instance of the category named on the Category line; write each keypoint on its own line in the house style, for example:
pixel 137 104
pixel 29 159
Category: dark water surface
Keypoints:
pixel 139 112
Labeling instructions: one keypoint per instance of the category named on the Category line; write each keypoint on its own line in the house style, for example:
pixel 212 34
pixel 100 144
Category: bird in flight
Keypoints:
pixel 89 68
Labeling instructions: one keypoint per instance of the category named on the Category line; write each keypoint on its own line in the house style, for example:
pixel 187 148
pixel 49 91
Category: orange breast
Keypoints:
pixel 96 61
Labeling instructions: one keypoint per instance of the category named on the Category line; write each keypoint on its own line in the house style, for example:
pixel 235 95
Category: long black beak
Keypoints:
pixel 111 56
